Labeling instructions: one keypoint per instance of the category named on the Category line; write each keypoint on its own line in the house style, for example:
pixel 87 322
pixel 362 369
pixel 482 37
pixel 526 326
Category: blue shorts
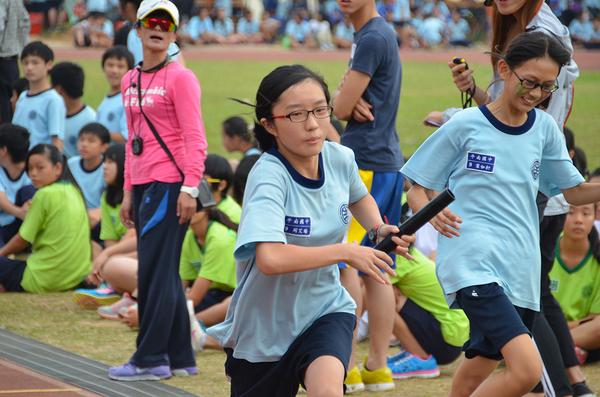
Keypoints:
pixel 428 332
pixel 330 335
pixel 494 320
pixel 11 274
pixel 212 297
pixel 386 188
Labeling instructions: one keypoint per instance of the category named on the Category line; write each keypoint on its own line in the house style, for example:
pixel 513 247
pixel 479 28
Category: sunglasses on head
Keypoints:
pixel 165 25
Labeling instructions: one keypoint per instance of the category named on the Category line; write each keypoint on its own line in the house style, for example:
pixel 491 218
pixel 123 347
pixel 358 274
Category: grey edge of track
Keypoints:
pixel 76 370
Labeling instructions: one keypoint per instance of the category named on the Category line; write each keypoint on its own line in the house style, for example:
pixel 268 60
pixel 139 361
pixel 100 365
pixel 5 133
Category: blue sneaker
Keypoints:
pixel 130 372
pixel 415 367
pixel 187 371
pixel 397 357
pixel 94 298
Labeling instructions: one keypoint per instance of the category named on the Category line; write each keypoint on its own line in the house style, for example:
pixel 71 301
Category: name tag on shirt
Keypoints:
pixel 481 162
pixel 298 226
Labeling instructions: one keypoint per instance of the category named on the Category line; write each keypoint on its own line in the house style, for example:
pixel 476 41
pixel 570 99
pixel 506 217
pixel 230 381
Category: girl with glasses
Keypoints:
pixel 290 321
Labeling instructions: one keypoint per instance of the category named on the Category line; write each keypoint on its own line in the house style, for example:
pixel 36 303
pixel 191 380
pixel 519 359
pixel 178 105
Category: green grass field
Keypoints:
pixel 55 319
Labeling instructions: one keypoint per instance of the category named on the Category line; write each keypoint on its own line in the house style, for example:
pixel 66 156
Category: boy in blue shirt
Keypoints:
pixel 116 62
pixel 368 98
pixel 67 79
pixel 16 189
pixel 40 109
pixel 86 168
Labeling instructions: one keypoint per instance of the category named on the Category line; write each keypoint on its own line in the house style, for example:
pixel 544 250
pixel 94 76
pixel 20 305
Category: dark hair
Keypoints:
pixel 52 153
pixel 536 44
pixel 120 52
pixel 241 176
pixel 594 239
pixel 20 85
pixel 16 140
pixel 580 161
pixel 237 126
pixel 135 3
pixel 114 193
pixel 215 214
pixel 569 138
pixel 97 129
pixel 39 49
pixel 218 167
pixel 70 77
pixel 269 91
pixel 595 173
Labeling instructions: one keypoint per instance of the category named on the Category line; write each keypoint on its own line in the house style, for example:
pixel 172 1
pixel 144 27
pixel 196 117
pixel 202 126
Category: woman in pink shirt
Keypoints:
pixel 165 155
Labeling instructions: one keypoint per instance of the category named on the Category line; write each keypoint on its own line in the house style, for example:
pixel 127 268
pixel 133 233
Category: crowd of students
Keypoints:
pixel 265 268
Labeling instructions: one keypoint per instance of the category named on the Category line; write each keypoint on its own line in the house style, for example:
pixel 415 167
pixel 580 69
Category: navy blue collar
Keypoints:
pixel 507 129
pixel 301 180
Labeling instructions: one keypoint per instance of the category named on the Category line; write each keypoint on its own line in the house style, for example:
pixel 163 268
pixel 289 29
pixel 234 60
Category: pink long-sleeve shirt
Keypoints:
pixel 171 101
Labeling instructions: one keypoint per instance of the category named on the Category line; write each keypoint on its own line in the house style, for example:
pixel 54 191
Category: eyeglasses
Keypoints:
pixel 212 180
pixel 299 116
pixel 532 85
pixel 165 25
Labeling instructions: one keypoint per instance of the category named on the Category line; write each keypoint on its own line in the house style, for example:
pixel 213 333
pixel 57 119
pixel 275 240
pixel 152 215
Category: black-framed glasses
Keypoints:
pixel 532 85
pixel 298 116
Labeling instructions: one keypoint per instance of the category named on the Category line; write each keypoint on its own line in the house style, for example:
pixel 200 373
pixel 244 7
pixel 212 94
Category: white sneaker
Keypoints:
pixel 197 328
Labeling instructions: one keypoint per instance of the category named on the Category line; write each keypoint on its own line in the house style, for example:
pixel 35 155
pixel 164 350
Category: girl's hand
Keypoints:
pixel 446 222
pixel 463 80
pixel 23 210
pixel 402 243
pixel 126 209
pixel 186 207
pixel 370 261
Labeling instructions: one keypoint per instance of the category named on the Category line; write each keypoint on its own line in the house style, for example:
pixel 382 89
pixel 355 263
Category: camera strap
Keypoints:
pixel 158 138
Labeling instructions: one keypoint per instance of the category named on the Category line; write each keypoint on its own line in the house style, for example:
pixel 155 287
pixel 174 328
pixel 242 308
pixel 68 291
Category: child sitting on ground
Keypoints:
pixel 116 61
pixel 56 225
pixel 40 109
pixel 16 189
pixel 67 79
pixel 94 31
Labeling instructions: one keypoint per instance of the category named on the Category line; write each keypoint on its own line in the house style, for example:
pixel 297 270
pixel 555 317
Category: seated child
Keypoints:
pixel 269 27
pixel 16 189
pixel 86 168
pixel 223 28
pixel 592 38
pixel 575 279
pixel 40 109
pixel 116 61
pixel 94 31
pixel 298 32
pixel 459 29
pixel 321 31
pixel 248 29
pixel 56 225
pixel 344 33
pixel 67 79
pixel 201 28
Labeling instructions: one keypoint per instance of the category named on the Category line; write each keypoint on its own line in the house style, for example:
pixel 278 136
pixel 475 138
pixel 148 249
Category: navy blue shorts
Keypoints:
pixel 494 320
pixel 11 274
pixel 428 332
pixel 330 335
pixel 212 297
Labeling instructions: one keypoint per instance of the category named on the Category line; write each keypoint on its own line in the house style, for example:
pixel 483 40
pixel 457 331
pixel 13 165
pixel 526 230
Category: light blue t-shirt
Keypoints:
pixel 495 172
pixel 299 31
pixel 224 28
pixel 458 31
pixel 43 114
pixel 197 26
pixel 134 45
pixel 248 27
pixel 432 29
pixel 91 182
pixel 111 114
pixel 267 313
pixel 73 124
pixel 344 32
pixel 252 151
pixel 10 187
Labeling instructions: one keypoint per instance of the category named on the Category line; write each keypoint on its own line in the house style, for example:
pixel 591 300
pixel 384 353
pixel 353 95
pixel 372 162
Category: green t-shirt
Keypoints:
pixel 231 208
pixel 578 289
pixel 418 282
pixel 58 226
pixel 111 226
pixel 215 262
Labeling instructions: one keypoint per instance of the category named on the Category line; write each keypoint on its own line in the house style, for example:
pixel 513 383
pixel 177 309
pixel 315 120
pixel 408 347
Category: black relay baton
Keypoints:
pixel 415 222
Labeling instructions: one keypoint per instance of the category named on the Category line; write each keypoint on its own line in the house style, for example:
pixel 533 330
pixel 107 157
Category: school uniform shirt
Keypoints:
pixel 298 31
pixel 214 262
pixel 344 32
pixel 432 29
pixel 91 182
pixel 43 114
pixel 73 124
pixel 495 172
pixel 376 143
pixel 224 28
pixel 111 114
pixel 418 282
pixel 231 208
pixel 58 226
pixel 10 187
pixel 458 31
pixel 578 289
pixel 248 27
pixel 111 226
pixel 579 30
pixel 267 313
pixel 197 26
